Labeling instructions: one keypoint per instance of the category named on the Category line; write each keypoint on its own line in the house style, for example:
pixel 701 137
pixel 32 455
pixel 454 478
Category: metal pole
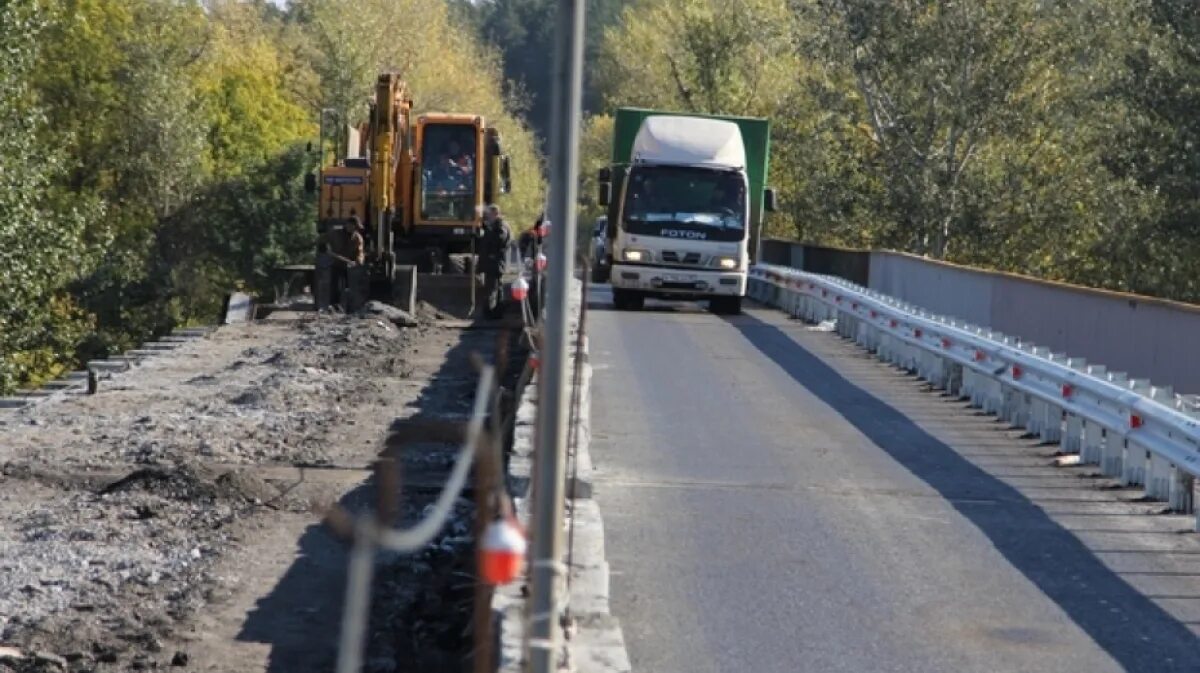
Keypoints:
pixel 552 383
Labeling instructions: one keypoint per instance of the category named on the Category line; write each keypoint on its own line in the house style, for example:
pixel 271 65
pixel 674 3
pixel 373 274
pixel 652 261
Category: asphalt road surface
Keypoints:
pixel 775 500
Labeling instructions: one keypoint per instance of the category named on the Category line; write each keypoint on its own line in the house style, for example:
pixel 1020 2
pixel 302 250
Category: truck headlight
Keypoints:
pixel 727 263
pixel 631 255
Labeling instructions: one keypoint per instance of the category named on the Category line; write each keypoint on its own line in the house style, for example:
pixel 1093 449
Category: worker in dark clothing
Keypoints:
pixel 343 249
pixel 493 250
pixel 531 242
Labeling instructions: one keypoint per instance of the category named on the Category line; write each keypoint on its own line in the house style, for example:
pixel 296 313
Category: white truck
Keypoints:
pixel 685 202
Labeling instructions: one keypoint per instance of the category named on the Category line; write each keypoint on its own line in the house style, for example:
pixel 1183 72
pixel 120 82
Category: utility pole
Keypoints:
pixel 552 420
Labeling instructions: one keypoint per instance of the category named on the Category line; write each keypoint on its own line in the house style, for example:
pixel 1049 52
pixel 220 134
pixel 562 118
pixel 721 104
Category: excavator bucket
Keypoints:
pixel 459 293
pixel 455 295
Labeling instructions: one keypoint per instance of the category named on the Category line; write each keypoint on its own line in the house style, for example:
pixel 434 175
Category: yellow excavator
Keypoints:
pixel 418 187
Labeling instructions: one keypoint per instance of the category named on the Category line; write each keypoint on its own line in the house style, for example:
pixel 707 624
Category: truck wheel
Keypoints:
pixel 628 300
pixel 599 274
pixel 725 305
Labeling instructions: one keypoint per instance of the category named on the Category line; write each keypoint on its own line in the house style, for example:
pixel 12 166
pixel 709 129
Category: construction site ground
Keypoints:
pixel 172 521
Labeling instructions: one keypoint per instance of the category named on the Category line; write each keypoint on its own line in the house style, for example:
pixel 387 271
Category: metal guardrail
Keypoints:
pixel 1136 432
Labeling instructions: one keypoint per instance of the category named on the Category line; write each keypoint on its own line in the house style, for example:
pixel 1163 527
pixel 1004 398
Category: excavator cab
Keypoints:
pixel 449 174
pixel 455 155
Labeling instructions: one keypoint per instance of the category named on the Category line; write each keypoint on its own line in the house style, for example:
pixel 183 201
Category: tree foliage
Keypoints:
pixel 39 321
pixel 152 152
pixel 523 32
pixel 1053 138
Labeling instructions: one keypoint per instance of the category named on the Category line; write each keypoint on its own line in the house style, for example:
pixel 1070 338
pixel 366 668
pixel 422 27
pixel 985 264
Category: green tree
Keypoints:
pixel 701 55
pixel 42 247
pixel 523 32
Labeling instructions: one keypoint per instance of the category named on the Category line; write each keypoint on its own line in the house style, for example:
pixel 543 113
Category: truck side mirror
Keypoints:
pixel 505 176
pixel 769 197
pixel 605 175
pixel 310 183
pixel 605 193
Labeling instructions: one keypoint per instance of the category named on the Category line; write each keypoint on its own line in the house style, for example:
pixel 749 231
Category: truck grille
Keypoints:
pixel 677 258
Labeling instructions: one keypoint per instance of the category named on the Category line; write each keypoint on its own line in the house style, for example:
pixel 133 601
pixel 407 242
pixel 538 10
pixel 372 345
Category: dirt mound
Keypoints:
pixel 427 312
pixel 388 312
pixel 190 481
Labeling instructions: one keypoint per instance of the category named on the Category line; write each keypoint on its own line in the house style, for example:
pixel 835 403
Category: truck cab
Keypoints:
pixel 680 214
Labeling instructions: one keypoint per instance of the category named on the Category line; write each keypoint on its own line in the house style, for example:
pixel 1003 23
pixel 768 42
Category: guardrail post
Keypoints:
pixel 1052 414
pixel 935 371
pixel 1072 440
pixel 954 378
pixel 1183 486
pixel 1158 469
pixel 754 287
pixel 1007 410
pixel 1092 451
pixel 1135 457
pixel 1113 455
pixel 971 387
pixel 1035 412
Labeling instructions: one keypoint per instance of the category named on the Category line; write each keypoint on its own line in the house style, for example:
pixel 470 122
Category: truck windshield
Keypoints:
pixel 448 172
pixel 679 202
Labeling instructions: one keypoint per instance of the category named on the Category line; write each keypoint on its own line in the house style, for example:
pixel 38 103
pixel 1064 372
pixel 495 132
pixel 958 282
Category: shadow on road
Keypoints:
pixel 1135 631
pixel 600 299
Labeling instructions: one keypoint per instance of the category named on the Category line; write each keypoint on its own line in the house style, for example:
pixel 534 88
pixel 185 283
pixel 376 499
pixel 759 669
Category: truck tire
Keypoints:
pixel 628 300
pixel 599 274
pixel 725 305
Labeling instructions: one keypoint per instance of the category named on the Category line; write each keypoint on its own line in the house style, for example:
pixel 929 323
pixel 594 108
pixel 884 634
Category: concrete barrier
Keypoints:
pixel 239 307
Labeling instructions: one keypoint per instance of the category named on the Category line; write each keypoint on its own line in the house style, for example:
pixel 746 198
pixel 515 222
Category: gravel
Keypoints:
pixel 115 508
pixel 120 511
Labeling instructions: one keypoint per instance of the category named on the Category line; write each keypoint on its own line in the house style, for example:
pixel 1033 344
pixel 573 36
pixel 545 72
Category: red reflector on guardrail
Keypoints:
pixel 874 314
pixel 1135 421
pixel 893 324
pixel 917 333
pixel 979 356
pixel 1068 390
pixel 945 343
pixel 1016 371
